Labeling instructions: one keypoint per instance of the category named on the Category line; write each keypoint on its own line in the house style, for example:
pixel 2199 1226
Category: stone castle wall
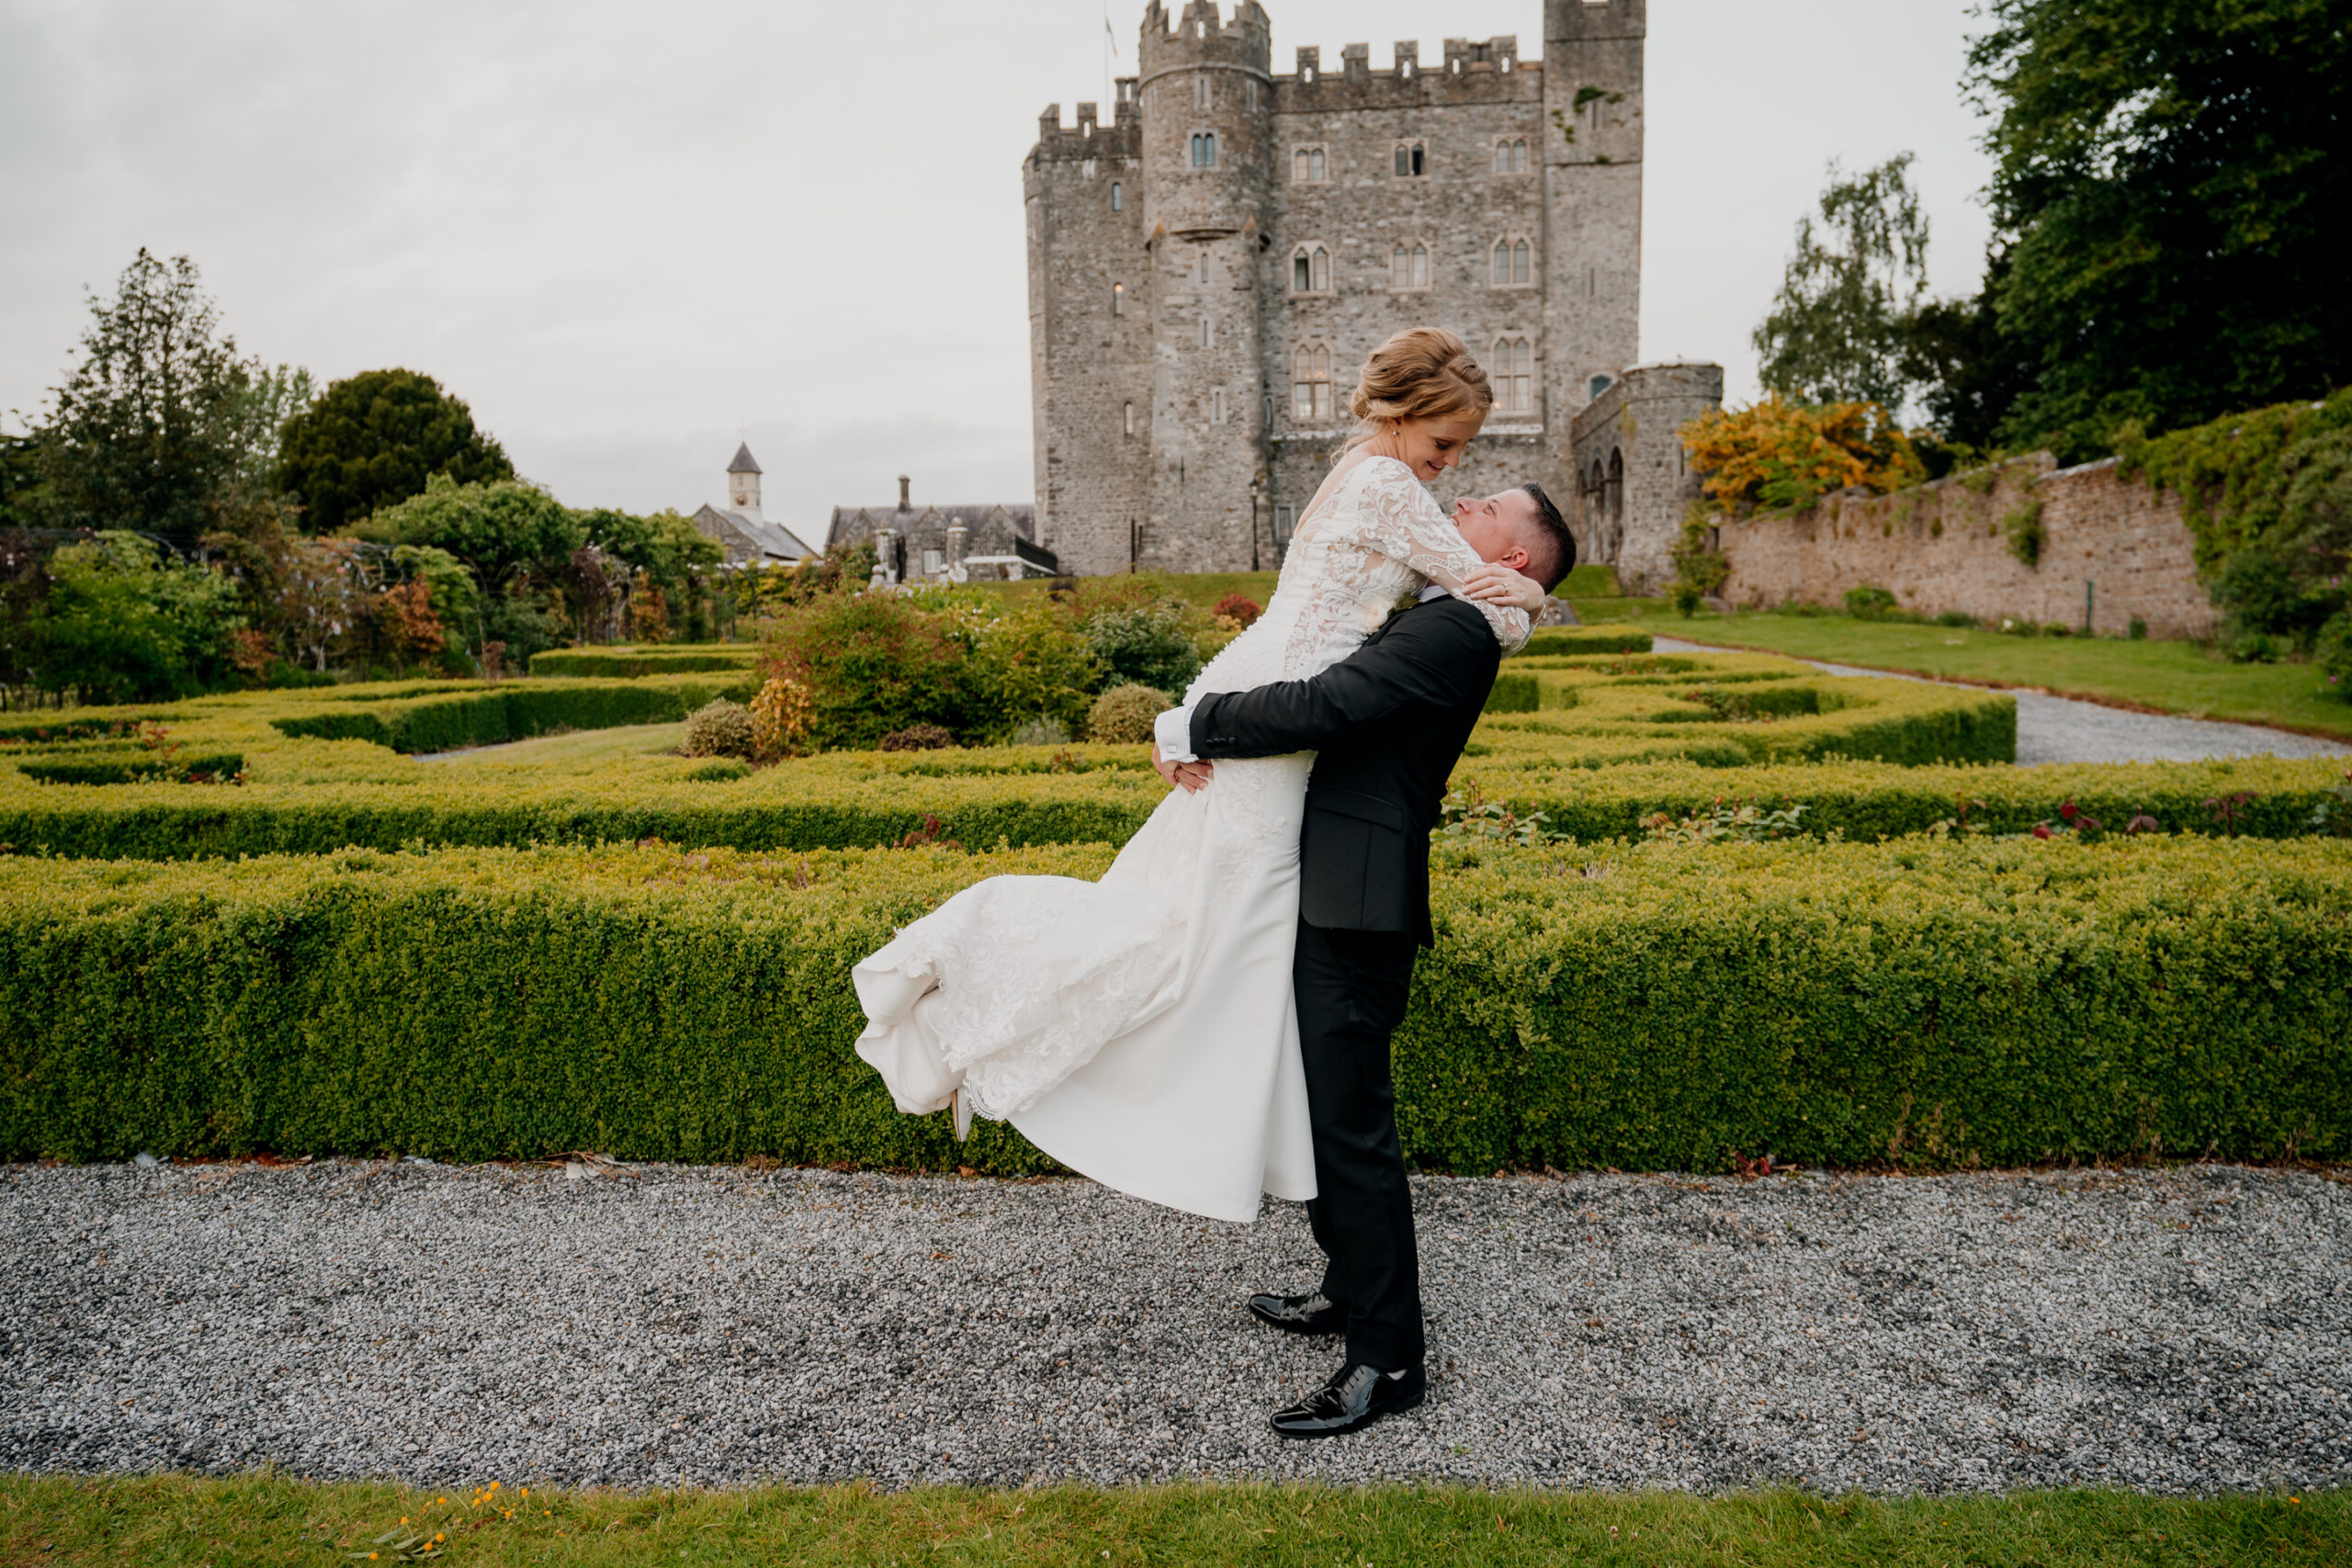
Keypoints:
pixel 1165 326
pixel 1631 482
pixel 1945 547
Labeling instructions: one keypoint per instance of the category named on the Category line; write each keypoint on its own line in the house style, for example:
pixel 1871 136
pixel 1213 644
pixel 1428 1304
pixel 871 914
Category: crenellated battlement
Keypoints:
pixel 1090 138
pixel 1471 71
pixel 1200 38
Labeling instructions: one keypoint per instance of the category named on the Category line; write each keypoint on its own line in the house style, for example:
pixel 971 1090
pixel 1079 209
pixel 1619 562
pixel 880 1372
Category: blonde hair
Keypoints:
pixel 1421 373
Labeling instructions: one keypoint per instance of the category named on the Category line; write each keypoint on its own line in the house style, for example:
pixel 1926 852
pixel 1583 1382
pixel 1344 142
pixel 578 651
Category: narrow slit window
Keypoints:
pixel 1199 92
pixel 1118 198
pixel 1118 298
pixel 1204 331
pixel 1129 418
pixel 1217 405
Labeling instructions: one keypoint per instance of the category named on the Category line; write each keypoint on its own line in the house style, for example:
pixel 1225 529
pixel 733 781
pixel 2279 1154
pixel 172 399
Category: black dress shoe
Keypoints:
pixel 1309 1314
pixel 1356 1396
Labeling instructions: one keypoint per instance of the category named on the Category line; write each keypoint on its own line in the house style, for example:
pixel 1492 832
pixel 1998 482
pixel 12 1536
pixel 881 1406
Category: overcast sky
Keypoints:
pixel 626 233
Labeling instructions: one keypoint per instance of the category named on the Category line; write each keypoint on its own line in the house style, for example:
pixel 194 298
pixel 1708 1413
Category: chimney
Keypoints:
pixel 903 506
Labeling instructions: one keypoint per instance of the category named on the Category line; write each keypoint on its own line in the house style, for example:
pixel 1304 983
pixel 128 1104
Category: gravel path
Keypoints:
pixel 2061 729
pixel 2176 1331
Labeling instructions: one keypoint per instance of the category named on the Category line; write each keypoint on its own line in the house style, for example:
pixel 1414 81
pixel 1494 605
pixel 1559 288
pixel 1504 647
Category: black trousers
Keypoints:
pixel 1352 988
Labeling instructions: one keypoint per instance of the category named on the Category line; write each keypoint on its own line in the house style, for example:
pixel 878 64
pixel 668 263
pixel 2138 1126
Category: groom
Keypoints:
pixel 1388 725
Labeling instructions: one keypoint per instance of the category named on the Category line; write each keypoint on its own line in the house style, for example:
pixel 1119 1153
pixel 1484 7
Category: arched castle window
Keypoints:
pixel 1409 265
pixel 1510 155
pixel 1204 150
pixel 1511 264
pixel 1310 270
pixel 1616 494
pixel 1118 198
pixel 1307 166
pixel 1412 159
pixel 1513 371
pixel 1310 382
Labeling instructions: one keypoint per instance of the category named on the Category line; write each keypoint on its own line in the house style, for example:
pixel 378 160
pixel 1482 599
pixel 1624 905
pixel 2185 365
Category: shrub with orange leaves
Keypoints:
pixel 1782 457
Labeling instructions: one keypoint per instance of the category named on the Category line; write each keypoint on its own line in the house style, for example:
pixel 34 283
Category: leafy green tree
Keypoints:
pixel 1965 371
pixel 20 482
pixel 123 621
pixel 373 439
pixel 2166 172
pixel 514 537
pixel 161 425
pixel 1837 330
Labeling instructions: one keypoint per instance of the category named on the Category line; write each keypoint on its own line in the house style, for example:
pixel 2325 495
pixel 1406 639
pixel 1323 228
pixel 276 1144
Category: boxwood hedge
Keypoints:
pixel 1650 1006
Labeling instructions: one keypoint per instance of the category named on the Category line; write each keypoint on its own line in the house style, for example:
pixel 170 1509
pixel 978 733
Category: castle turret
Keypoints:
pixel 1592 170
pixel 743 481
pixel 1207 106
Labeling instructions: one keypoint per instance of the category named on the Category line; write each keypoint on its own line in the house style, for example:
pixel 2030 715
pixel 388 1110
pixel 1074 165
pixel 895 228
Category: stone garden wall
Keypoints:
pixel 1947 545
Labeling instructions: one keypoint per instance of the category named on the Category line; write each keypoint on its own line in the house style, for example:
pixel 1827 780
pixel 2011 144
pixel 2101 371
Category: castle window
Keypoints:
pixel 1217 405
pixel 1310 382
pixel 1204 150
pixel 1130 418
pixel 1286 521
pixel 1199 92
pixel 935 562
pixel 1204 331
pixel 1118 198
pixel 1511 264
pixel 1409 265
pixel 1412 159
pixel 1307 166
pixel 1598 385
pixel 1118 298
pixel 1511 156
pixel 1513 370
pixel 1310 270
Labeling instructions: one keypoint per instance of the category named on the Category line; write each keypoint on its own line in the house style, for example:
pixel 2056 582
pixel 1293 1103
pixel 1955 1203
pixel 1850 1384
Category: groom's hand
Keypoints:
pixel 1186 776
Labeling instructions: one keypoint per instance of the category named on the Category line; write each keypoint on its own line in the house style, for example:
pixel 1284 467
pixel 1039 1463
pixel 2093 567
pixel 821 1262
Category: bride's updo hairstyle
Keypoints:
pixel 1421 373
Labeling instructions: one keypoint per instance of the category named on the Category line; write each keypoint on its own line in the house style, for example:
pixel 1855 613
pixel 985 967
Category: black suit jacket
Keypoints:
pixel 1388 723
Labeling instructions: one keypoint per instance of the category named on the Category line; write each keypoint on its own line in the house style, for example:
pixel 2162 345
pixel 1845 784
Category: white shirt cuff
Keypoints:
pixel 1174 730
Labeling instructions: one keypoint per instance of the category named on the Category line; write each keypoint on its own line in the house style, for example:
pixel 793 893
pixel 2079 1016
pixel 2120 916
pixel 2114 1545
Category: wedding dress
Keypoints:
pixel 1139 1029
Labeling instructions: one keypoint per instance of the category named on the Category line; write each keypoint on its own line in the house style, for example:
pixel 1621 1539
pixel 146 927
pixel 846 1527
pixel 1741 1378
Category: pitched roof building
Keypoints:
pixel 929 544
pixel 749 539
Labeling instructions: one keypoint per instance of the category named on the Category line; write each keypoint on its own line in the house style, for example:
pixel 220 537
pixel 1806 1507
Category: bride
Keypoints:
pixel 1140 1029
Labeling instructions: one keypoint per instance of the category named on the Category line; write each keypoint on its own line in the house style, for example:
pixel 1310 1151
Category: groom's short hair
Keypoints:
pixel 1551 548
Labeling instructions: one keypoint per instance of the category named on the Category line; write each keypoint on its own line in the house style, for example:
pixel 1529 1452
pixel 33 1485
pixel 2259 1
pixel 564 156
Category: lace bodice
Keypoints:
pixel 1372 541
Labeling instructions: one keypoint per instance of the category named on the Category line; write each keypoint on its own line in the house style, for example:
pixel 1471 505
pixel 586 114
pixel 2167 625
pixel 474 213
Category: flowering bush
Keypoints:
pixel 1238 608
pixel 1780 455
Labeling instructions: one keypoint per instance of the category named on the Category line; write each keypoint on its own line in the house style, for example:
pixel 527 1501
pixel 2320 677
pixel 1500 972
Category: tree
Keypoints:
pixel 161 425
pixel 1964 370
pixel 516 538
pixel 2166 171
pixel 1836 330
pixel 373 439
pixel 124 621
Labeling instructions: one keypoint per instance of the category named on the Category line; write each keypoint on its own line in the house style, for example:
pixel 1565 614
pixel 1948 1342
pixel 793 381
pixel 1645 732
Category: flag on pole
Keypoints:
pixel 1110 34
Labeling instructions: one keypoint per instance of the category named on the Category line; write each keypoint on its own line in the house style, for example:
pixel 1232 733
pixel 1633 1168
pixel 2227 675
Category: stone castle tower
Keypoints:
pixel 1208 270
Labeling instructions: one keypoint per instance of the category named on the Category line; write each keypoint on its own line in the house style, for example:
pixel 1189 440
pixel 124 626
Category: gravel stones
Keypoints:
pixel 2176 1331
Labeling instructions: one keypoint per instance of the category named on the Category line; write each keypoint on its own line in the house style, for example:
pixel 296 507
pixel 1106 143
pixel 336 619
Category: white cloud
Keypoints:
pixel 626 233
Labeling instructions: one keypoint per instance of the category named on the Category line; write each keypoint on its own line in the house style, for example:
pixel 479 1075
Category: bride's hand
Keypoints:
pixel 1491 584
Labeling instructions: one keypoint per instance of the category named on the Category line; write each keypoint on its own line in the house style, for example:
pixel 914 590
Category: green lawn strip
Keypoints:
pixel 2169 677
pixel 170 1520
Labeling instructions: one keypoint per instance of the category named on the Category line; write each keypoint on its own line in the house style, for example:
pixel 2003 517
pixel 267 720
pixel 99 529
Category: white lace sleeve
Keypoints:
pixel 1400 519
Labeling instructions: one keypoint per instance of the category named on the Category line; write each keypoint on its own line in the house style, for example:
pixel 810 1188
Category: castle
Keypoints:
pixel 1208 270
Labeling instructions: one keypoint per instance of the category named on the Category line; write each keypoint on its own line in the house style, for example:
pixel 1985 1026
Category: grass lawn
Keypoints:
pixel 580 746
pixel 2172 677
pixel 265 1519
